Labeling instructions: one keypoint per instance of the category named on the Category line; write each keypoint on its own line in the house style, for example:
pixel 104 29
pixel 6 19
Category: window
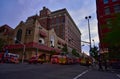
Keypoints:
pixel 63 19
pixel 52 21
pixel 57 20
pixel 52 40
pixel 114 0
pixel 117 8
pixel 18 36
pixel 28 32
pixel 5 30
pixel 41 41
pixel 59 47
pixel 105 1
pixel 107 11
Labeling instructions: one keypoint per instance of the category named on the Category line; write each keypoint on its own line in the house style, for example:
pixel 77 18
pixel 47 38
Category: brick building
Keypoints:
pixel 106 13
pixel 43 33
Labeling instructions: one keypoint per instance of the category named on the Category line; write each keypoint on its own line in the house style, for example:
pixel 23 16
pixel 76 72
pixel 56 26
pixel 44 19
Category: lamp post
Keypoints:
pixel 88 18
pixel 93 43
pixel 23 48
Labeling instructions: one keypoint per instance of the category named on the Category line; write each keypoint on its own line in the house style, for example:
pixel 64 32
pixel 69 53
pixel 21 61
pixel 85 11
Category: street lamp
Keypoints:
pixel 23 48
pixel 93 43
pixel 88 18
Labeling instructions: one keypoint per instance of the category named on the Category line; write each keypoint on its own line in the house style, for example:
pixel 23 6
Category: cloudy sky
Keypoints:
pixel 13 11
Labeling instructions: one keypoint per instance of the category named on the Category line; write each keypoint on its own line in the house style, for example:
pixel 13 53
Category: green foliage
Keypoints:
pixel 2 43
pixel 65 49
pixel 52 52
pixel 112 38
pixel 74 52
pixel 94 52
pixel 114 52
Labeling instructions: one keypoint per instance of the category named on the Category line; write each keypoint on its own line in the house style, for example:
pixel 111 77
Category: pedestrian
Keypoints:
pixel 87 63
pixel 105 64
pixel 100 64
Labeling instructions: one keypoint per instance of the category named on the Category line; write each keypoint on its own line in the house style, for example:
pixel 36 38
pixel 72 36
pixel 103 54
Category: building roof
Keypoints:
pixel 6 26
pixel 9 30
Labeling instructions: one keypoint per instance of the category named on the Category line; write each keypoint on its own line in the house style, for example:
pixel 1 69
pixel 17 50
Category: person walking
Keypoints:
pixel 105 64
pixel 100 64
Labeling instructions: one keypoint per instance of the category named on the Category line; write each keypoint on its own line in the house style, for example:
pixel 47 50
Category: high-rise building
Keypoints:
pixel 106 14
pixel 43 33
pixel 63 25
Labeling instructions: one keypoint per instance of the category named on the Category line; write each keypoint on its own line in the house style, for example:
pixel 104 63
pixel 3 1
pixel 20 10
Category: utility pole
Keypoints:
pixel 88 18
pixel 23 48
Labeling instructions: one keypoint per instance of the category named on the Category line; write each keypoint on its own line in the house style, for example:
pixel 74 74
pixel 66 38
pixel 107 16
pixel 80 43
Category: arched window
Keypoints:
pixel 19 35
pixel 41 41
pixel 52 41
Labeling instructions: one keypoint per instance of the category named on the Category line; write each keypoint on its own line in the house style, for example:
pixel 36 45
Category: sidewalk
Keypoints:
pixel 96 67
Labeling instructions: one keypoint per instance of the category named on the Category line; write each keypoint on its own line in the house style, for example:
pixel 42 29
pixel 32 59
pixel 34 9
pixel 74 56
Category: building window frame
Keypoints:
pixel 107 10
pixel 105 1
pixel 117 8
pixel 28 32
pixel 19 36
pixel 114 0
pixel 41 40
pixel 52 40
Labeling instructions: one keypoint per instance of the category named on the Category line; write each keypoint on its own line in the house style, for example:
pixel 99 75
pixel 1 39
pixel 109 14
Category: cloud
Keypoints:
pixel 78 15
pixel 29 8
pixel 79 18
pixel 78 9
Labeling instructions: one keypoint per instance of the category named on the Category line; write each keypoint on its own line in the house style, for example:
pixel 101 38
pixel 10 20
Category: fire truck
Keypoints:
pixel 65 59
pixel 11 58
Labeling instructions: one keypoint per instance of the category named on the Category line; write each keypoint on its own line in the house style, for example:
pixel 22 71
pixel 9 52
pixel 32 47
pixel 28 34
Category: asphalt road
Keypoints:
pixel 53 71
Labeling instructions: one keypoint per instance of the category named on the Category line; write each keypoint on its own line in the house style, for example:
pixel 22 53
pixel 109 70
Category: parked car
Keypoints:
pixel 37 59
pixel 41 58
pixel 65 59
pixel 11 58
pixel 1 57
pixel 33 60
pixel 14 60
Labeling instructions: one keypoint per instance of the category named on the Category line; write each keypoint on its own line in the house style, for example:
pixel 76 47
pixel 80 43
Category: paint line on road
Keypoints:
pixel 118 75
pixel 80 74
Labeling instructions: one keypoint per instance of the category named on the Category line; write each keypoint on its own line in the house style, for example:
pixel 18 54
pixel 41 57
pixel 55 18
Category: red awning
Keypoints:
pixel 32 45
pixel 17 46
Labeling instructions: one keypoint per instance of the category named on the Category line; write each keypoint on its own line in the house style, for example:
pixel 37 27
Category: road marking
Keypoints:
pixel 118 75
pixel 80 74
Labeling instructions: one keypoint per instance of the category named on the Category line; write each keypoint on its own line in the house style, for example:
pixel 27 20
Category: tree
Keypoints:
pixel 112 38
pixel 74 52
pixel 94 52
pixel 65 49
pixel 2 43
pixel 52 52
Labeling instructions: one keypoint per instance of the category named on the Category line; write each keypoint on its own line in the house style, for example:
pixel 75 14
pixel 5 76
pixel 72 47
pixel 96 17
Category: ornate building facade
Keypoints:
pixel 43 33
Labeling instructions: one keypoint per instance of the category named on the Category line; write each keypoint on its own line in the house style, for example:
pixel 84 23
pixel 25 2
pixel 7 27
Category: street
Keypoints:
pixel 53 71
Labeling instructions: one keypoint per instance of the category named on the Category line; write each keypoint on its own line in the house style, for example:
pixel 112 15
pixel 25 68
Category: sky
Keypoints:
pixel 14 11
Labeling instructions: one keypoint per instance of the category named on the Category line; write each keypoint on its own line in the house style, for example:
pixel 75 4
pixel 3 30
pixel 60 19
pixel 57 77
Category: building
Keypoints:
pixel 63 25
pixel 106 14
pixel 6 33
pixel 44 33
